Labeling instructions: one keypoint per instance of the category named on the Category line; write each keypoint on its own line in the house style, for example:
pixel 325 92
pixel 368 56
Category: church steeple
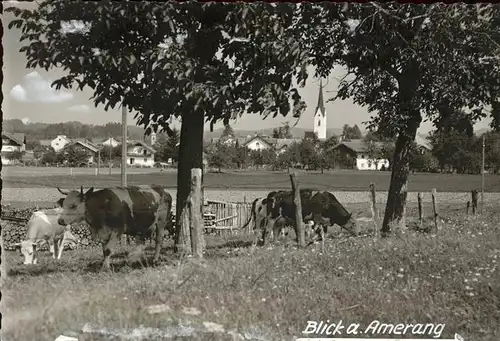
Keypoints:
pixel 321 104
pixel 319 127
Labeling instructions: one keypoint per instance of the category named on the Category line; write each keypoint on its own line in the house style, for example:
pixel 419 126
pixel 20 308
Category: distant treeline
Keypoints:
pixel 46 131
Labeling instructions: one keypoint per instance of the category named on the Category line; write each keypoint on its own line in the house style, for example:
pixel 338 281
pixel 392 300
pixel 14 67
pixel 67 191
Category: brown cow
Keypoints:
pixel 111 212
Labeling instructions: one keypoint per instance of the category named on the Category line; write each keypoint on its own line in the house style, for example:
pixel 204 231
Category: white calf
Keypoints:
pixel 43 227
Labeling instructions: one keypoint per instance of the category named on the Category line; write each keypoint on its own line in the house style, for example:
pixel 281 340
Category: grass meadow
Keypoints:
pixel 452 278
pixel 342 180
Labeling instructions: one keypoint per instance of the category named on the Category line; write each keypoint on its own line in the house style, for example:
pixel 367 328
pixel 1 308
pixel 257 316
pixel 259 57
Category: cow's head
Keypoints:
pixel 73 206
pixel 28 250
pixel 352 226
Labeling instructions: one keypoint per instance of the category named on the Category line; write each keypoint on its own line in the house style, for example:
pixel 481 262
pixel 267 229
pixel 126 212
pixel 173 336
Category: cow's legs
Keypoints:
pixel 53 247
pixel 160 232
pixel 139 250
pixel 107 249
pixel 279 226
pixel 258 231
pixel 58 242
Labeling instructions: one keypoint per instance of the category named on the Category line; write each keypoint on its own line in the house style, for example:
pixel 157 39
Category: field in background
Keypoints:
pixel 451 278
pixel 20 177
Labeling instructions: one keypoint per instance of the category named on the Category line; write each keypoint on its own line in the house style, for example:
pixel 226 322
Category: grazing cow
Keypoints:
pixel 111 212
pixel 43 227
pixel 258 213
pixel 319 206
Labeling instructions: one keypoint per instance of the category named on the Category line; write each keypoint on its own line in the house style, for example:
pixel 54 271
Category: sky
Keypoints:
pixel 27 94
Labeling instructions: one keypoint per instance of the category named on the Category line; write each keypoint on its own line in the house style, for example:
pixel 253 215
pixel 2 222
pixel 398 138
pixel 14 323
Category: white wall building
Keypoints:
pixel 358 150
pixel 110 142
pixel 140 154
pixel 257 143
pixel 12 143
pixel 59 143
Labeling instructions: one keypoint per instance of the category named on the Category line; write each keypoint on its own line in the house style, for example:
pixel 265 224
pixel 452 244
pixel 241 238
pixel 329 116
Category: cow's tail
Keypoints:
pixel 252 213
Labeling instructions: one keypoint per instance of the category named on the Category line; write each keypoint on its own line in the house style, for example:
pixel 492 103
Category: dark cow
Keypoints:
pixel 111 212
pixel 258 214
pixel 319 206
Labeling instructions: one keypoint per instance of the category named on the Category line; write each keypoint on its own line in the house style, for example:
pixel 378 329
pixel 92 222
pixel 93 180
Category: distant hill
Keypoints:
pixel 296 132
pixel 73 129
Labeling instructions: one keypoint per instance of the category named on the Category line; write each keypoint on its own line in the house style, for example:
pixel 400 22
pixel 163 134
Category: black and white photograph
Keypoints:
pixel 250 171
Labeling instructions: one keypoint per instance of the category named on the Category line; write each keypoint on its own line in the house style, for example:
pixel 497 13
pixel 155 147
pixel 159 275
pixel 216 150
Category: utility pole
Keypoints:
pixel 124 145
pixel 109 157
pixel 98 161
pixel 482 180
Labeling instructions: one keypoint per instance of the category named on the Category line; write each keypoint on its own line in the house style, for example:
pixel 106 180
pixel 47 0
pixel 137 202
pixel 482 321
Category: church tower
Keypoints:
pixel 320 116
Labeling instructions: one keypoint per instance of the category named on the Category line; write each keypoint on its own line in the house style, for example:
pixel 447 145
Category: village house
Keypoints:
pixel 90 149
pixel 140 154
pixel 359 150
pixel 110 142
pixel 59 143
pixel 11 143
pixel 258 143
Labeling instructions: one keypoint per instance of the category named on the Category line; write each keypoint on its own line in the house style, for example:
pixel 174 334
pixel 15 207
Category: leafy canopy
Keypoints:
pixel 169 59
pixel 406 60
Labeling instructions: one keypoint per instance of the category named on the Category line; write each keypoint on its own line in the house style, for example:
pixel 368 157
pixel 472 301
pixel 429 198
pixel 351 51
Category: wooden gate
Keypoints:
pixel 226 216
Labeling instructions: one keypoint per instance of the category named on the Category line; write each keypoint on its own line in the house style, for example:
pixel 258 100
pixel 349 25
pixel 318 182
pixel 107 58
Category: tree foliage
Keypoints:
pixel 351 133
pixel 283 132
pixel 404 62
pixel 167 146
pixel 74 156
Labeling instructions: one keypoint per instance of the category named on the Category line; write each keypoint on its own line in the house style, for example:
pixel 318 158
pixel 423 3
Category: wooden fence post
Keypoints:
pixel 235 217
pixel 420 210
pixel 435 209
pixel 374 210
pixel 298 210
pixel 184 246
pixel 3 265
pixel 474 201
pixel 196 216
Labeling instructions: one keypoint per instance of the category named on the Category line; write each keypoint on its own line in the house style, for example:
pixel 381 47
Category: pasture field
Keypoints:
pixel 342 180
pixel 452 278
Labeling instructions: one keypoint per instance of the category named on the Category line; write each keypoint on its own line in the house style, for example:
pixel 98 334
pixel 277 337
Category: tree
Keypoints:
pixel 33 145
pixel 167 146
pixel 184 60
pixel 51 158
pixel 454 150
pixel 227 133
pixel 15 155
pixel 240 155
pixel 495 115
pixel 492 151
pixel 424 162
pixel 284 160
pixel 351 133
pixel 309 153
pixel 173 144
pixel 74 156
pixel 161 147
pixel 218 156
pixel 402 60
pixel 373 150
pixel 283 132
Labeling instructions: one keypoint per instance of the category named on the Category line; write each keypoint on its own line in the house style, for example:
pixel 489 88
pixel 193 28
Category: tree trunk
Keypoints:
pixel 190 156
pixel 398 188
